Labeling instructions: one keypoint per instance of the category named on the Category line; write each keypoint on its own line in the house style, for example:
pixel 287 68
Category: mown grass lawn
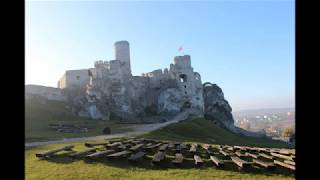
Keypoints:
pixel 63 167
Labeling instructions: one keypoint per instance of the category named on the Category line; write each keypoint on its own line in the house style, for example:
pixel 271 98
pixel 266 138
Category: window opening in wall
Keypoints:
pixel 78 77
pixel 185 86
pixel 187 104
pixel 185 92
pixel 183 78
pixel 197 76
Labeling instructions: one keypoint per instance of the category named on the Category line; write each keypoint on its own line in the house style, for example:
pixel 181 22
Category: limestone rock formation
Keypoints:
pixel 110 84
pixel 215 105
pixel 109 91
pixel 170 101
pixel 217 108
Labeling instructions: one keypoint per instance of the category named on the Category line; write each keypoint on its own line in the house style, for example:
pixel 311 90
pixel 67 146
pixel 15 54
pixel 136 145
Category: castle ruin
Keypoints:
pixel 110 87
pixel 109 91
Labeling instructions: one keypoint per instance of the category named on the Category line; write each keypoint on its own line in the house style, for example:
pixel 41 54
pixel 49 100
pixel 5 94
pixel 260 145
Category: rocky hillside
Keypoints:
pixel 216 107
pixel 169 103
pixel 218 110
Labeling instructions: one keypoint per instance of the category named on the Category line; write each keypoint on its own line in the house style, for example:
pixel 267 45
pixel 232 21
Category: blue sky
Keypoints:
pixel 246 47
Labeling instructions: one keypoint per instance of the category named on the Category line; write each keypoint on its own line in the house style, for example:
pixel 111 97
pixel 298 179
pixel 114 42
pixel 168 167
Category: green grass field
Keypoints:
pixel 61 166
pixel 205 131
pixel 39 115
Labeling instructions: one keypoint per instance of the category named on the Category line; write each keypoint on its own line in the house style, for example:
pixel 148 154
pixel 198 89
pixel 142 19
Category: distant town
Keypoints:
pixel 276 123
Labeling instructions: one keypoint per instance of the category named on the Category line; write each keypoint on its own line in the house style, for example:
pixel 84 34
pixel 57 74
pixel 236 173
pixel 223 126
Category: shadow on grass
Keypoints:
pixel 61 158
pixel 188 163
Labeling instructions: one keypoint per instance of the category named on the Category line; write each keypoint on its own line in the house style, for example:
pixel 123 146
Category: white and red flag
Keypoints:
pixel 181 50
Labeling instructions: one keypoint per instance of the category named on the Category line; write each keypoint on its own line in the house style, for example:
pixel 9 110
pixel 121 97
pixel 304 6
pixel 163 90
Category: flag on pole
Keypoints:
pixel 180 50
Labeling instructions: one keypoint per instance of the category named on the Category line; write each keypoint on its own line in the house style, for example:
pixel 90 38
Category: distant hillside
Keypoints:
pixel 205 131
pixel 265 111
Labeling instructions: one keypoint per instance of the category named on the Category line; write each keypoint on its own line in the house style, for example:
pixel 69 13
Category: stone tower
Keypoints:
pixel 189 82
pixel 122 53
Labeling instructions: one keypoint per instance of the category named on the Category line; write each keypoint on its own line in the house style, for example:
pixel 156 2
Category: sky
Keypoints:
pixel 245 47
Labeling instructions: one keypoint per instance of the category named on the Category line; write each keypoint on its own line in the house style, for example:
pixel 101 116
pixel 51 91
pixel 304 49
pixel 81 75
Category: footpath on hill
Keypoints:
pixel 136 130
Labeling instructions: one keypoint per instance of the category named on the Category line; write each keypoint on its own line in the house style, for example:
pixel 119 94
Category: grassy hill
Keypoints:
pixel 39 113
pixel 199 130
pixel 63 167
pixel 205 131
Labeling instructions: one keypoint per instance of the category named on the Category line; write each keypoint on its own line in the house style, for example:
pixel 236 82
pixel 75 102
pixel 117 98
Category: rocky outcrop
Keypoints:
pixel 169 101
pixel 218 109
pixel 215 105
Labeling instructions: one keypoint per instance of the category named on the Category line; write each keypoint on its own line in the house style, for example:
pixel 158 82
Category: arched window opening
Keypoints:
pixel 183 78
pixel 197 76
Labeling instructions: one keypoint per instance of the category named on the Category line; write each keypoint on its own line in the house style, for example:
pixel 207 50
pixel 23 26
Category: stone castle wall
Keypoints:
pixel 50 93
pixel 74 79
pixel 109 90
pixel 112 80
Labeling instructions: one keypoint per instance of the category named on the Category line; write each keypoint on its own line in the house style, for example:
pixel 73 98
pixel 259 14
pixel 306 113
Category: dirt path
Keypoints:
pixel 136 130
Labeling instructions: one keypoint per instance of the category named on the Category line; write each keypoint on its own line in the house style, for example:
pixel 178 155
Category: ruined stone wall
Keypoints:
pixel 50 93
pixel 62 82
pixel 189 81
pixel 112 85
pixel 74 79
pixel 155 78
pixel 197 98
pixel 139 86
pixel 100 69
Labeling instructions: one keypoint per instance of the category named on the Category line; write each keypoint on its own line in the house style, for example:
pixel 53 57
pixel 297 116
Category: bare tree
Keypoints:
pixel 288 132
